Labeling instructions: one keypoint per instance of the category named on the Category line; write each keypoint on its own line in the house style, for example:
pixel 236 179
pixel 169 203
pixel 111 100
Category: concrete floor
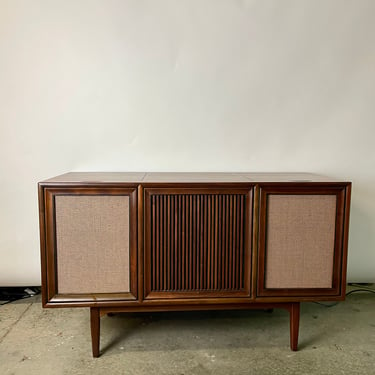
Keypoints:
pixel 335 340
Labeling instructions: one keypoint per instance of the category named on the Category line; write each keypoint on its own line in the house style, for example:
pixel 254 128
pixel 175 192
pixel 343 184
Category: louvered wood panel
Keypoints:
pixel 197 243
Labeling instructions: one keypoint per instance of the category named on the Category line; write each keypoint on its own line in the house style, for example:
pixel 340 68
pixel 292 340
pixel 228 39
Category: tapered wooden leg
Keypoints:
pixel 95 330
pixel 294 313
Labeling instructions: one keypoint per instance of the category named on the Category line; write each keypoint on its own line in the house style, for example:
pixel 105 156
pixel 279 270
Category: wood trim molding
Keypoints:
pixel 336 289
pixel 188 207
pixel 49 249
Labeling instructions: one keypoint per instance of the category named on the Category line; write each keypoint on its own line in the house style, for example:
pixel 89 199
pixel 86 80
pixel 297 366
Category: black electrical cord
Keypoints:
pixel 362 289
pixel 362 286
pixel 326 304
pixel 14 299
pixel 9 295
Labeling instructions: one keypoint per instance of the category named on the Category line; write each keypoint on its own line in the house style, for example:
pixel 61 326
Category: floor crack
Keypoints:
pixel 12 325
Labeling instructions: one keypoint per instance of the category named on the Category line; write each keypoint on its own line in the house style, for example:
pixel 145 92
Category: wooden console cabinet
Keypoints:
pixel 118 242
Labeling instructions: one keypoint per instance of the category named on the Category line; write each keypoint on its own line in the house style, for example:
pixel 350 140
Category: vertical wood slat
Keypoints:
pixel 197 242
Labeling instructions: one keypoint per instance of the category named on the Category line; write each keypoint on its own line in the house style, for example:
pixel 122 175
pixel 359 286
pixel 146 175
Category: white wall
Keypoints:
pixel 188 85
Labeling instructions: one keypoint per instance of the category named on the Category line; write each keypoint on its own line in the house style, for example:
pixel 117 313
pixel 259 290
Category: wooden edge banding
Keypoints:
pixel 146 288
pixel 134 238
pixel 162 306
pixel 261 240
pixel 249 222
pixel 50 254
pixel 141 239
pixel 345 240
pixel 255 226
pixel 42 237
pixel 339 238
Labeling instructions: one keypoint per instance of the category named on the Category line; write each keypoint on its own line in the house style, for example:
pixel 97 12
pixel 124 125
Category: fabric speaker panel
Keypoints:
pixel 300 241
pixel 92 244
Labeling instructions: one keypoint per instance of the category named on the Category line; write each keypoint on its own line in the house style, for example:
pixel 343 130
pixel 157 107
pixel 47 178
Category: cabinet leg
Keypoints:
pixel 294 313
pixel 95 330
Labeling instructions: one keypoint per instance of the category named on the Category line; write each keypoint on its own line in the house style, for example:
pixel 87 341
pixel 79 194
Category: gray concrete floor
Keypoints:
pixel 335 340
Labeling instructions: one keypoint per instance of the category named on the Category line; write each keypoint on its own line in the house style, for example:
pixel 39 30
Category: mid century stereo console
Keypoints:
pixel 118 242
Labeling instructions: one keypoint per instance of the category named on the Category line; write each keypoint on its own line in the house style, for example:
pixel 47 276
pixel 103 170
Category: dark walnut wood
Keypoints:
pixel 95 330
pixel 194 241
pixel 197 242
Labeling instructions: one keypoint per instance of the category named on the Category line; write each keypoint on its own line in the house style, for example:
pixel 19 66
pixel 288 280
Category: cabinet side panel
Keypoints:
pixel 300 241
pixel 92 244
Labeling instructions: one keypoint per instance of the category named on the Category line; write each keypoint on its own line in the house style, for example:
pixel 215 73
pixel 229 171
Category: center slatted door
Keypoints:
pixel 197 243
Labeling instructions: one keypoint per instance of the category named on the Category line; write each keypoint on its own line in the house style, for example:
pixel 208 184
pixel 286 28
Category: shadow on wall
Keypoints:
pixel 360 258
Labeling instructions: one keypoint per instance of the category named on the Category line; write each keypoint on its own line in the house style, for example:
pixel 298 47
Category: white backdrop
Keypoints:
pixel 187 85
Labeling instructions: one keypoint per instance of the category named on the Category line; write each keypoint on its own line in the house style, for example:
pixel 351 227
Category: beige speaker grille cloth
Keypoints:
pixel 300 241
pixel 92 234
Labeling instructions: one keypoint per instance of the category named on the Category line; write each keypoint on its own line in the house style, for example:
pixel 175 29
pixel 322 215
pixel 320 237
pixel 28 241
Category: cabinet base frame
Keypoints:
pixel 292 307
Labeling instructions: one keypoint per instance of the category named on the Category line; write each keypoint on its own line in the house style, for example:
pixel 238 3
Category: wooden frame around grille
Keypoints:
pixel 197 242
pixel 338 283
pixel 50 258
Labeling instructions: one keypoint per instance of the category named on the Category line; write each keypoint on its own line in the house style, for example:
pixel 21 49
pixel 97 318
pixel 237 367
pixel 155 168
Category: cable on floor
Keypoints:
pixel 365 289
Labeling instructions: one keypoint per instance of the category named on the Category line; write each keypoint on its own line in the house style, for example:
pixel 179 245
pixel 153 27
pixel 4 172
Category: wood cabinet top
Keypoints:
pixel 186 177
